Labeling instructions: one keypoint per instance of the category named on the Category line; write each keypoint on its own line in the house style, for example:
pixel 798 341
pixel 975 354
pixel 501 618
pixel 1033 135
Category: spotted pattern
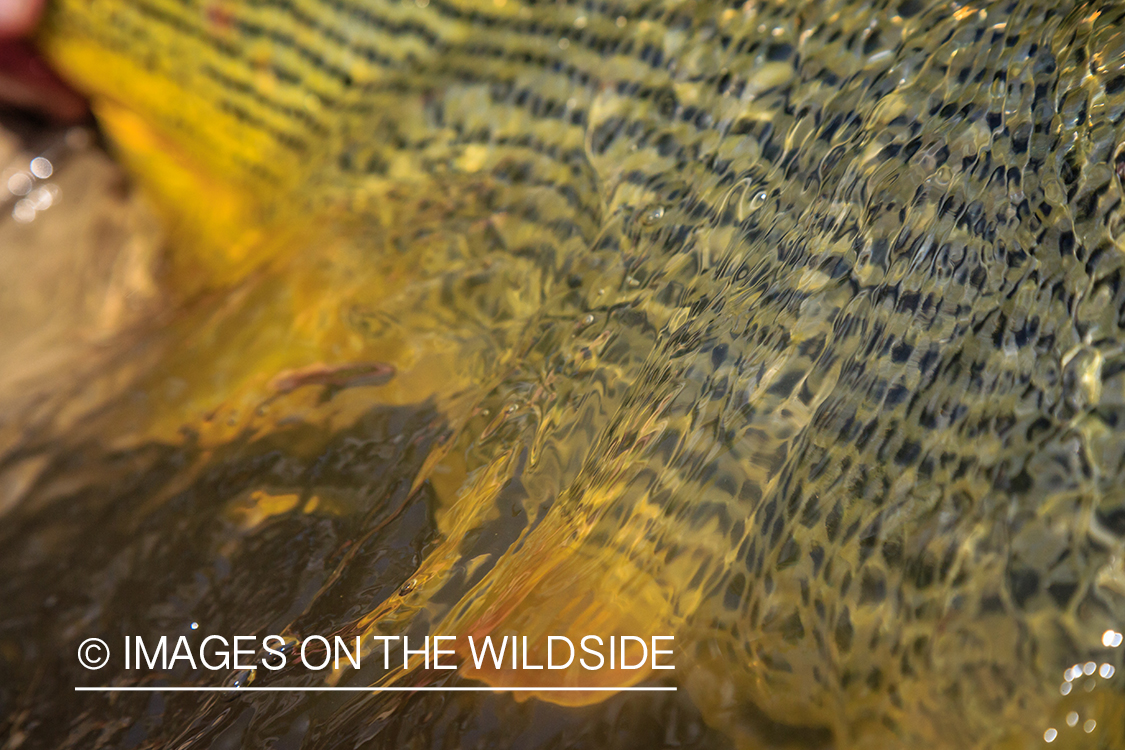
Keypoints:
pixel 828 312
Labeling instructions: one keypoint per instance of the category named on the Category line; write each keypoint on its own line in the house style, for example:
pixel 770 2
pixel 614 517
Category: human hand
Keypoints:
pixel 26 82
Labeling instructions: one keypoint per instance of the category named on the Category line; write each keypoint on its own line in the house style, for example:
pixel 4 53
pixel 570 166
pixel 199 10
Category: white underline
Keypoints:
pixel 392 689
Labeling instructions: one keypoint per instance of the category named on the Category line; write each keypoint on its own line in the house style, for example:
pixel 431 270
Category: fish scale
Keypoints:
pixel 847 406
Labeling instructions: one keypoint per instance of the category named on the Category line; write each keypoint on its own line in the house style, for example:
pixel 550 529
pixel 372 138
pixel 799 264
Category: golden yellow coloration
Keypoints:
pixel 219 213
pixel 792 330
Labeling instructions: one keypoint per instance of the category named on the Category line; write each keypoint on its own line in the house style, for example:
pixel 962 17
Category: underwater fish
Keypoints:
pixel 791 329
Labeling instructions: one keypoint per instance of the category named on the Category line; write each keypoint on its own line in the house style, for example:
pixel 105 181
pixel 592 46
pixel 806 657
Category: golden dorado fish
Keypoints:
pixel 793 330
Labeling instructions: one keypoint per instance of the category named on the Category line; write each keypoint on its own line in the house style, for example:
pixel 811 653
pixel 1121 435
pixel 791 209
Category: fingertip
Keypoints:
pixel 18 17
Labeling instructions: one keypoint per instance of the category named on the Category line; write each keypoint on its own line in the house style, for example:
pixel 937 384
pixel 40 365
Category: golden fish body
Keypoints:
pixel 793 330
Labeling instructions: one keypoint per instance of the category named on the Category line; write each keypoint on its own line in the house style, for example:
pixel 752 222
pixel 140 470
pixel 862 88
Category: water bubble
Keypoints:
pixel 240 679
pixel 1089 726
pixel 653 215
pixel 998 89
pixel 1050 734
pixel 24 212
pixel 19 183
pixel 1111 639
pixel 756 200
pixel 195 626
pixel 41 198
pixel 1106 671
pixel 1072 718
pixel 1065 688
pixel 943 176
pixel 41 168
pixel 580 22
pixel 1089 667
pixel 564 43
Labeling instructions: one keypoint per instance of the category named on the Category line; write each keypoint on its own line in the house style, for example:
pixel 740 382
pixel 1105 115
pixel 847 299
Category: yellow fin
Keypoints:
pixel 573 596
pixel 216 209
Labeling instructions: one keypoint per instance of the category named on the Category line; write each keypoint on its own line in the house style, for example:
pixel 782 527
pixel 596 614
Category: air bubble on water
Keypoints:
pixel 1106 671
pixel 1089 726
pixel 1065 688
pixel 24 212
pixel 757 199
pixel 1111 639
pixel 1050 734
pixel 998 88
pixel 41 198
pixel 41 167
pixel 943 176
pixel 1072 718
pixel 20 183
pixel 653 215
pixel 1089 667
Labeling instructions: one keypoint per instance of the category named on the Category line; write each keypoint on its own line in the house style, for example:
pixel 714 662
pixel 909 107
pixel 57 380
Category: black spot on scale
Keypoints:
pixel 908 453
pixel 1023 584
pixel 1113 520
pixel 844 631
pixel 785 384
pixel 732 596
pixel 789 554
pixel 1062 593
pixel 718 355
pixel 872 587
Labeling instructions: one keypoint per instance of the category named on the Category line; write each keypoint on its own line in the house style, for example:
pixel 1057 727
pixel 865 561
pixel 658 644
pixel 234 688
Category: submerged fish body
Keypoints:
pixel 791 329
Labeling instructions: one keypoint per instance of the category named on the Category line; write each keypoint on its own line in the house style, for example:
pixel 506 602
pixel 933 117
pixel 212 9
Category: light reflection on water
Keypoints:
pixel 805 348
